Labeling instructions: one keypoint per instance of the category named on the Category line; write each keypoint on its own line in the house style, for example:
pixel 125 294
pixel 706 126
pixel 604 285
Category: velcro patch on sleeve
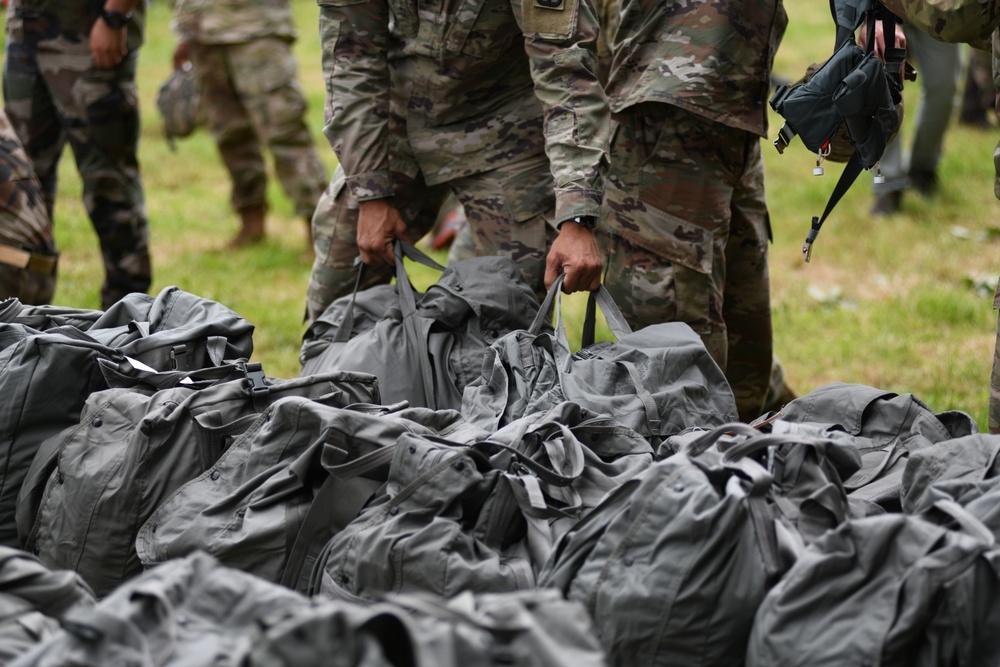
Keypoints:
pixel 554 19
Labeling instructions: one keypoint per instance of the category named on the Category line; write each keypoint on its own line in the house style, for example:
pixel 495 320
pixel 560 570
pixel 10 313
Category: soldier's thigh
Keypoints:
pixel 511 211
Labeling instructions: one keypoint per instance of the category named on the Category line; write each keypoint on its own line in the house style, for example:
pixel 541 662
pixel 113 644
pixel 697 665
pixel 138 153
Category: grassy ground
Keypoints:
pixel 901 303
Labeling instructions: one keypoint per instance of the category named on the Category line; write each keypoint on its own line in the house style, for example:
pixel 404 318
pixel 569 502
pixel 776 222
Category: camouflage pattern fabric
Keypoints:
pixel 509 209
pixel 711 58
pixel 53 94
pixel 249 95
pixel 479 82
pixel 686 231
pixel 463 113
pixel 74 17
pixel 29 272
pixel 994 407
pixel 232 21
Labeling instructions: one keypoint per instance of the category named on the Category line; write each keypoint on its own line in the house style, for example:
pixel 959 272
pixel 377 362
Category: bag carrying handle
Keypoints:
pixel 599 298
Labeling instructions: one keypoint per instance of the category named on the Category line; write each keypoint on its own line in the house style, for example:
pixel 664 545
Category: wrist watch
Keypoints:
pixel 588 221
pixel 116 20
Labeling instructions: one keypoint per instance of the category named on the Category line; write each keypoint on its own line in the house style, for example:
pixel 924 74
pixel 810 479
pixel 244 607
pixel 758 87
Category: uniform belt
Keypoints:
pixel 23 259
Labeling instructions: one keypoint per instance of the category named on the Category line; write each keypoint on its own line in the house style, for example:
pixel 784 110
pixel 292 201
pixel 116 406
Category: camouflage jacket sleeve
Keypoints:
pixel 969 21
pixel 355 39
pixel 561 42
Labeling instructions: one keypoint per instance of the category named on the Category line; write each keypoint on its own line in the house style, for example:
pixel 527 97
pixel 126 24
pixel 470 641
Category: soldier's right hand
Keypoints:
pixel 379 224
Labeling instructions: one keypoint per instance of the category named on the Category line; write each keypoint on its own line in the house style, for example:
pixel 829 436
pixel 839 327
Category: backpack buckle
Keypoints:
pixel 253 378
pixel 785 136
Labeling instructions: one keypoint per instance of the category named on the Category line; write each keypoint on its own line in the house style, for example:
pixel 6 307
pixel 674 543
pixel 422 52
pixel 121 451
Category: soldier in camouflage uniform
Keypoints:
pixel 243 60
pixel 69 75
pixel 684 211
pixel 27 250
pixel 976 22
pixel 494 100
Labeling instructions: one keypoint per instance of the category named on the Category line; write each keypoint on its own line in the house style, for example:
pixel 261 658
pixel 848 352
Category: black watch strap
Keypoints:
pixel 116 20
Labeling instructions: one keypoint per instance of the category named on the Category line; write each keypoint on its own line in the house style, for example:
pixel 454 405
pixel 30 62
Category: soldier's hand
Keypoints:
pixel 107 45
pixel 182 54
pixel 379 224
pixel 575 254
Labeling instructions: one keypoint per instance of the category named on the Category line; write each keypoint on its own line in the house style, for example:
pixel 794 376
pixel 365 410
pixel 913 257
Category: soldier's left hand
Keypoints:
pixel 107 45
pixel 575 254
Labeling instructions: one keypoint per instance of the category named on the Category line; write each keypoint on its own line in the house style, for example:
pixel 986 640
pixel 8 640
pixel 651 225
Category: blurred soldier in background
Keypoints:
pixel 250 96
pixel 28 254
pixel 69 75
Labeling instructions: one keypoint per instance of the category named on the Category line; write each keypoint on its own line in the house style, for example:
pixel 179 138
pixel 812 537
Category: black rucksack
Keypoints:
pixel 847 109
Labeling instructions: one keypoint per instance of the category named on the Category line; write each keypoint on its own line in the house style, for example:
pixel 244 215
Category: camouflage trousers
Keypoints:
pixel 250 97
pixel 54 94
pixel 994 408
pixel 28 255
pixel 511 211
pixel 685 228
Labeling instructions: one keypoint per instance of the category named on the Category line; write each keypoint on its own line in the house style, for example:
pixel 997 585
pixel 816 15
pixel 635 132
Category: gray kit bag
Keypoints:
pixel 250 507
pixel 530 628
pixel 46 377
pixel 873 591
pixel 481 517
pixel 657 381
pixel 425 349
pixel 887 427
pixel 32 600
pixel 672 565
pixel 132 449
pixel 187 613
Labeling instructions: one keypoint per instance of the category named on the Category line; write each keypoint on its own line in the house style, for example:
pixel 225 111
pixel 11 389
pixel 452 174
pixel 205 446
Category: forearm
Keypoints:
pixel 577 118
pixel 355 40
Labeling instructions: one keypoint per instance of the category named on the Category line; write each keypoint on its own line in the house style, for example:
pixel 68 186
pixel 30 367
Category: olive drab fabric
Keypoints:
pixel 247 509
pixel 657 381
pixel 887 426
pixel 425 349
pixel 132 449
pixel 480 517
pixel 191 612
pixel 672 565
pixel 32 601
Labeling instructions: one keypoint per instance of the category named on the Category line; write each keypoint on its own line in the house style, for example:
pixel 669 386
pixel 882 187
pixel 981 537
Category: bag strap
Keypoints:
pixel 408 309
pixel 601 298
pixel 850 174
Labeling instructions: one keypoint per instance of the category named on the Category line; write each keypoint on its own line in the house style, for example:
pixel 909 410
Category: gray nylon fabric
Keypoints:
pixel 480 518
pixel 130 451
pixel 888 427
pixel 969 459
pixel 530 628
pixel 248 505
pixel 191 612
pixel 474 302
pixel 869 593
pixel 530 371
pixel 672 565
pixel 32 600
pixel 46 377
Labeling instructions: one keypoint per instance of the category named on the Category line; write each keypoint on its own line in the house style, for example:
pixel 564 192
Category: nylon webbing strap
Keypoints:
pixel 408 308
pixel 851 172
pixel 336 504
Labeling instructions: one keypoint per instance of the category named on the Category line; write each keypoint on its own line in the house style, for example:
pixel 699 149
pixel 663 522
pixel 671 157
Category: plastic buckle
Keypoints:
pixel 254 378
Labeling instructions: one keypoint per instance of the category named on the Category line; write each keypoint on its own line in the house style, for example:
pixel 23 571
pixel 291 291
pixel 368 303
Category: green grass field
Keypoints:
pixel 900 303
